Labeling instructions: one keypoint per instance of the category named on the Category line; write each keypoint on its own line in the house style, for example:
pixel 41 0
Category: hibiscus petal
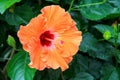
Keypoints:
pixel 57 18
pixel 35 57
pixel 72 35
pixel 70 42
pixel 24 35
pixel 31 30
pixel 55 60
pixel 68 59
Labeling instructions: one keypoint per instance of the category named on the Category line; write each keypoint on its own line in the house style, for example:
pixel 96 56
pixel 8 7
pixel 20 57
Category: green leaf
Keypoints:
pixel 117 55
pixel 18 68
pixel 73 68
pixel 95 12
pixel 89 65
pixel 47 74
pixel 55 73
pixel 3 33
pixel 99 9
pixel 21 15
pixel 88 42
pixel 79 21
pixel 83 76
pixel 109 72
pixel 103 28
pixel 54 1
pixel 115 2
pixel 102 51
pixel 13 19
pixel 25 12
pixel 95 49
pixel 4 4
pixel 118 40
pixel 11 41
pixel 82 63
pixel 6 53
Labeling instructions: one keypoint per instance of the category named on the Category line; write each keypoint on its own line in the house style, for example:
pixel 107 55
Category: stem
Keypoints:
pixel 116 57
pixel 116 32
pixel 4 58
pixel 39 2
pixel 62 75
pixel 4 69
pixel 116 37
pixel 71 6
pixel 101 40
pixel 91 4
pixel 118 27
pixel 3 76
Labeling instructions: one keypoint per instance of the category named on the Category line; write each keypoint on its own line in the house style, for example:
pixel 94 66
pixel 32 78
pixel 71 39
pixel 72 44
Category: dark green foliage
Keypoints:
pixel 98 57
pixel 18 68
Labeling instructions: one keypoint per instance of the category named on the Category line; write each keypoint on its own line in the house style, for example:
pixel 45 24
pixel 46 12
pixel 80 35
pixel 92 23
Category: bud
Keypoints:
pixel 11 9
pixel 11 41
pixel 115 26
pixel 107 35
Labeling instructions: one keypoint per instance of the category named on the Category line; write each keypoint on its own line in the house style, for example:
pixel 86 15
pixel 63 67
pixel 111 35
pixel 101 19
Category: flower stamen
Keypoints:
pixel 46 38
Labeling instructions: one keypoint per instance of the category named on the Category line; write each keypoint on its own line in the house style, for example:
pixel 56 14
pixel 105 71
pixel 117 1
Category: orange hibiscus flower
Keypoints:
pixel 51 38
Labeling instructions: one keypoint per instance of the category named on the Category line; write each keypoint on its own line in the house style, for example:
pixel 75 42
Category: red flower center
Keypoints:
pixel 46 38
